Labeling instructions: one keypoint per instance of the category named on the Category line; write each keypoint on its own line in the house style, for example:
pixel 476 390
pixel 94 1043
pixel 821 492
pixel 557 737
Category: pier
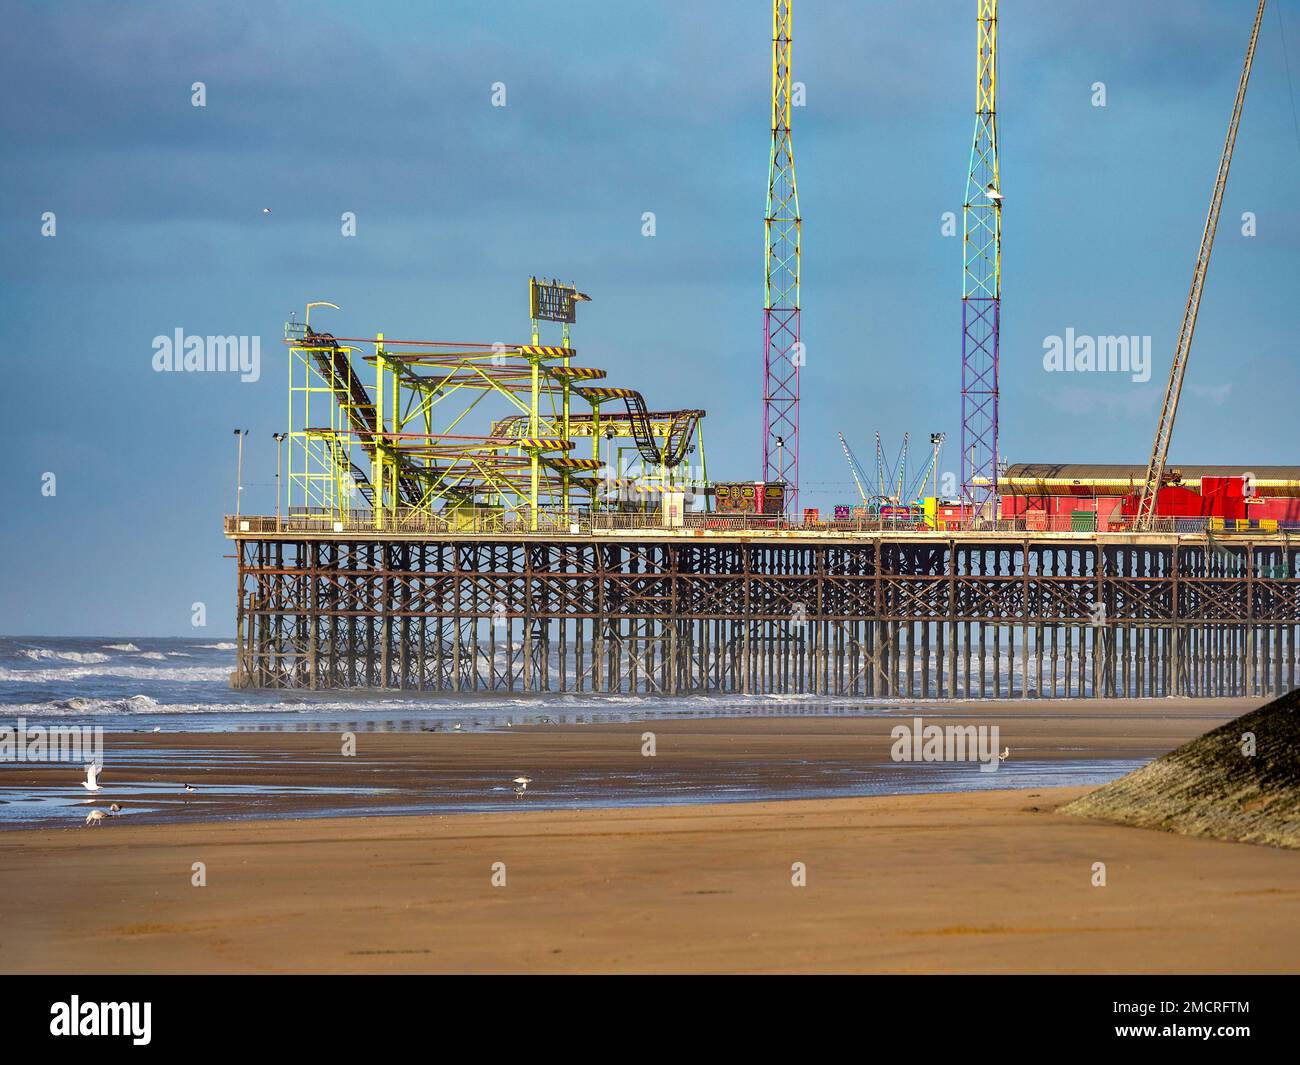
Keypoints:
pixel 884 614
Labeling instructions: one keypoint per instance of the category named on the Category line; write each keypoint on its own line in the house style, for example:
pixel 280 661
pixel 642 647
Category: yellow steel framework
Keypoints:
pixel 405 446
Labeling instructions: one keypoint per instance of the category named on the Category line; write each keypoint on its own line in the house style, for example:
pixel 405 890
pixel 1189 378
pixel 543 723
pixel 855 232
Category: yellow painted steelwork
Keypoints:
pixel 402 441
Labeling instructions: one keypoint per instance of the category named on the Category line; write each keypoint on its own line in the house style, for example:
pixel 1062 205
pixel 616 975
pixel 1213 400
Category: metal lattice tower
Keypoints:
pixel 782 350
pixel 982 283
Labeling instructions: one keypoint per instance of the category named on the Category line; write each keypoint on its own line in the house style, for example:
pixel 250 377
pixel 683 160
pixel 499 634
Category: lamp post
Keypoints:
pixel 780 465
pixel 937 440
pixel 239 473
pixel 609 465
pixel 969 501
pixel 279 447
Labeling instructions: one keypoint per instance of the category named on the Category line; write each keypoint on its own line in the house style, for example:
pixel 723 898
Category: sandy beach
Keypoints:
pixel 979 881
pixel 989 882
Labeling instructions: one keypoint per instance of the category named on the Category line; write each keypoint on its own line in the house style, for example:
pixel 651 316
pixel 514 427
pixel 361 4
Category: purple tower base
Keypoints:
pixel 979 405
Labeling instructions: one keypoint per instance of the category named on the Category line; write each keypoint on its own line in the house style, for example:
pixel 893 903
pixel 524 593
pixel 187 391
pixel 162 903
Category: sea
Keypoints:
pixel 183 684
pixel 169 685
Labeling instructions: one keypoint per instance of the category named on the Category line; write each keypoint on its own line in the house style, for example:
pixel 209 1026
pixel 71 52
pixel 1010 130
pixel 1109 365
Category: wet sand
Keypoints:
pixel 277 774
pixel 989 882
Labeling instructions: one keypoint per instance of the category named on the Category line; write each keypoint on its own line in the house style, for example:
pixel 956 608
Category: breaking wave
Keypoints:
pixel 184 673
pixel 40 654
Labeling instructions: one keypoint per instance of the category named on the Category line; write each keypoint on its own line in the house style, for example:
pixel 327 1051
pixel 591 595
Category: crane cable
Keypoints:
pixel 1286 59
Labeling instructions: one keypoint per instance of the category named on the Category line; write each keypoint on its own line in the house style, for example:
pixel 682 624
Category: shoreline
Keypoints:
pixel 403 768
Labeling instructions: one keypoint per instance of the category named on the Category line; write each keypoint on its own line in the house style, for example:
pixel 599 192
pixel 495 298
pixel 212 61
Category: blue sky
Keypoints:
pixel 613 109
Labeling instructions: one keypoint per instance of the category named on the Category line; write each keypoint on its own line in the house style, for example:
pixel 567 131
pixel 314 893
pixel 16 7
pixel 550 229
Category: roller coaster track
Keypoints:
pixel 355 402
pixel 662 438
pixel 677 440
pixel 681 425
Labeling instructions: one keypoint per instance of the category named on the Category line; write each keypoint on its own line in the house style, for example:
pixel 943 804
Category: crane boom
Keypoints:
pixel 853 467
pixel 900 473
pixel 1165 428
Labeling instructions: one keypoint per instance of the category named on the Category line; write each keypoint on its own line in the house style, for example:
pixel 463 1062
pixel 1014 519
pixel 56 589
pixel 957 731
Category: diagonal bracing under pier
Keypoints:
pixel 873 616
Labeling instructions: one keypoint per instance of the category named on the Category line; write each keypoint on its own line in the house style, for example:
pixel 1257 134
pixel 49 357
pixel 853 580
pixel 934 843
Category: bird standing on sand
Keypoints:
pixel 1006 753
pixel 115 809
pixel 95 817
pixel 92 771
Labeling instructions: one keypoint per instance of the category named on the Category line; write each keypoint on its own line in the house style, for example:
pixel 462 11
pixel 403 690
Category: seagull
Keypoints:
pixel 94 817
pixel 157 728
pixel 993 193
pixel 92 771
pixel 189 787
pixel 266 210
pixel 115 809
pixel 521 785
pixel 1006 753
pixel 456 726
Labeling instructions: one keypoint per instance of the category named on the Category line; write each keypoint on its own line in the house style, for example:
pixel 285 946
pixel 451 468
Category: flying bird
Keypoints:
pixel 521 785
pixel 993 193
pixel 115 809
pixel 266 210
pixel 92 771
pixel 95 817
pixel 189 787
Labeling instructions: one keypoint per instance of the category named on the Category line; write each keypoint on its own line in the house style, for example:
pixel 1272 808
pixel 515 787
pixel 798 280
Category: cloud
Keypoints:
pixel 1216 394
pixel 1125 403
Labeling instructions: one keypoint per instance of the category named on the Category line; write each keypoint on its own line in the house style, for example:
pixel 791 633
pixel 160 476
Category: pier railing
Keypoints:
pixel 482 521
